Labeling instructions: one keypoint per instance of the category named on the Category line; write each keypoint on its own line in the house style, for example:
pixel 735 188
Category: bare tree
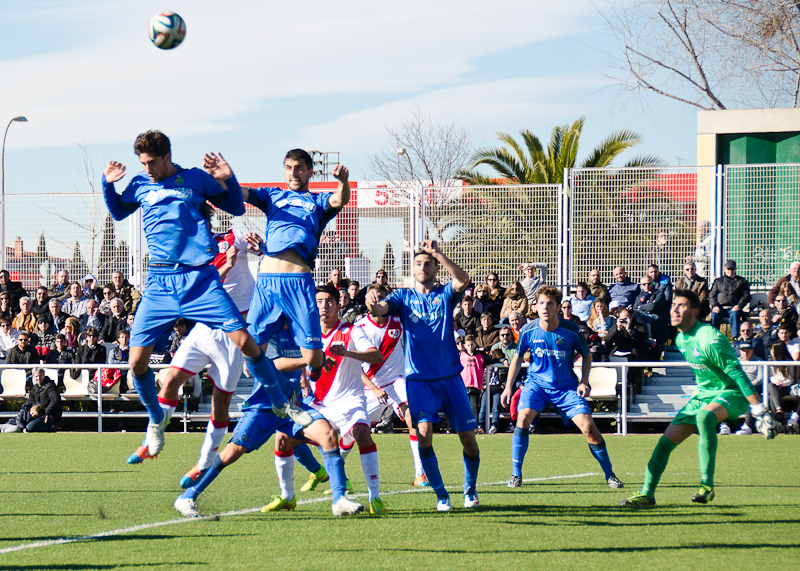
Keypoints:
pixel 711 54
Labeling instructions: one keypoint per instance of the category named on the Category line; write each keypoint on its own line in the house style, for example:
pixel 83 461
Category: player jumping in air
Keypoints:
pixel 553 343
pixel 723 392
pixel 181 282
pixel 433 368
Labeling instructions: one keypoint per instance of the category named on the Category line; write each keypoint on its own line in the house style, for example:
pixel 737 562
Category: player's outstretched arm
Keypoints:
pixel 372 356
pixel 342 195
pixel 460 277
pixel 117 206
pixel 374 305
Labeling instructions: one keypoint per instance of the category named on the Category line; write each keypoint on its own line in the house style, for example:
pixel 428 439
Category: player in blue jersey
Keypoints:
pixel 181 282
pixel 433 366
pixel 553 343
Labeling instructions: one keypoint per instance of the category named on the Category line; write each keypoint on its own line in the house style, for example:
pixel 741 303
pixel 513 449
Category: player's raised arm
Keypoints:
pixel 231 201
pixel 460 277
pixel 118 207
pixel 342 195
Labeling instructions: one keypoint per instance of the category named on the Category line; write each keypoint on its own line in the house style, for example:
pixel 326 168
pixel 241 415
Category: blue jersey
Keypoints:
pixel 295 220
pixel 552 353
pixel 431 352
pixel 281 345
pixel 176 231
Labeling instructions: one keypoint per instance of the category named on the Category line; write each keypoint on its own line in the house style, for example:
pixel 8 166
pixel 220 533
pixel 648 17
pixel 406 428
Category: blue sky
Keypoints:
pixel 256 78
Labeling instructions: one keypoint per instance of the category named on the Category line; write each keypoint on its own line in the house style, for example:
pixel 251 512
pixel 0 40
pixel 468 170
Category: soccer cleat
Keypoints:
pixel 704 495
pixel 297 415
pixel 314 481
pixel 471 499
pixel 140 455
pixel 346 507
pixel 745 430
pixel 515 482
pixel 767 425
pixel 191 477
pixel 421 482
pixel 614 482
pixel 155 436
pixel 793 419
pixel 444 505
pixel 347 484
pixel 278 504
pixel 377 507
pixel 638 500
pixel 186 507
pixel 724 429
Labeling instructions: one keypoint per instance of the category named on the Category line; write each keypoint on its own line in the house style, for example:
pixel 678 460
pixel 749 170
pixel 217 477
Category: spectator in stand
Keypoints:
pixel 129 295
pixel 119 355
pixel 784 311
pixel 180 330
pixel 507 345
pixel 23 354
pixel 516 321
pixel 514 300
pixel 599 319
pixel 748 336
pixel 348 311
pixel 751 365
pixel 652 308
pixel 531 283
pixel 90 288
pixel 787 334
pixel 25 320
pixel 495 290
pixel 109 295
pixel 44 393
pixel 58 319
pixel 72 331
pixel 114 322
pixel 92 317
pixel 129 322
pixel 487 334
pixel 628 339
pixel 597 288
pixel 566 312
pixel 704 252
pixel 337 281
pixel 45 337
pixel 467 319
pixel 5 306
pixel 354 289
pixel 13 289
pixel 781 378
pixel 766 330
pixel 382 278
pixel 661 253
pixel 793 279
pixel 472 372
pixel 75 304
pixel 729 295
pixel 623 290
pixel 698 284
pixel 60 289
pixel 90 353
pixel 8 336
pixel 595 342
pixel 483 303
pixel 61 355
pixel 41 305
pixel 661 282
pixel 582 301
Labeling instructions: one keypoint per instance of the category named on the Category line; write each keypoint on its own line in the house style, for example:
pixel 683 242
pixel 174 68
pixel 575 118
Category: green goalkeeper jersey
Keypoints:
pixel 716 367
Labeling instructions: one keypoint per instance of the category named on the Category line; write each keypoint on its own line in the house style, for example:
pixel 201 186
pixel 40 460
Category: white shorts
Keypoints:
pixel 205 346
pixel 396 393
pixel 344 414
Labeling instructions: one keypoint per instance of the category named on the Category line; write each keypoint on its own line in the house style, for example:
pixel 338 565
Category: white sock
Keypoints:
pixel 346 452
pixel 215 432
pixel 418 469
pixel 369 463
pixel 284 466
pixel 168 407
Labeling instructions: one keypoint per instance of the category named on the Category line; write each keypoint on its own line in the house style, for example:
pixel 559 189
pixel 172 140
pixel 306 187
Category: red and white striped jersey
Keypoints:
pixel 341 376
pixel 389 339
pixel 239 283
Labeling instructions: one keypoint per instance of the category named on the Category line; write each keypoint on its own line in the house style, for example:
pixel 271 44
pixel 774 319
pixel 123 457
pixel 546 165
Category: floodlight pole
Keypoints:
pixel 3 191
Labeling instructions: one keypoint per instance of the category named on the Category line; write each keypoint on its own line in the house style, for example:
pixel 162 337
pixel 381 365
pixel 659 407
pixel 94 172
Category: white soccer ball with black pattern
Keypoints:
pixel 167 30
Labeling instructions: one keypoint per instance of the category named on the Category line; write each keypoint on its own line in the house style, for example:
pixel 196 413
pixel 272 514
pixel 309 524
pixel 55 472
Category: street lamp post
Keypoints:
pixel 3 191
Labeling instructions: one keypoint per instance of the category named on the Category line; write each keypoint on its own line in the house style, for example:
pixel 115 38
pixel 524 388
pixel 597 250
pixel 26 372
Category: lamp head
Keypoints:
pixel 20 119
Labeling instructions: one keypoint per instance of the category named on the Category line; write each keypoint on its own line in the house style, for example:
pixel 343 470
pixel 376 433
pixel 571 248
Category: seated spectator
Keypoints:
pixel 793 279
pixel 467 319
pixel 748 336
pixel 566 312
pixel 60 289
pixel 129 295
pixel 58 319
pixel 72 331
pixel 23 354
pixel 751 365
pixel 661 282
pixel 114 322
pixel 487 334
pixel 8 336
pixel 181 329
pixel 597 288
pixel 75 304
pixel 787 335
pixel 92 317
pixel 495 290
pixel 129 322
pixel 623 290
pixel 766 330
pixel 472 372
pixel 354 289
pixel 531 283
pixel 109 295
pixel 119 356
pixel 729 295
pixel 45 337
pixel 787 290
pixel 381 278
pixel 90 353
pixel 483 303
pixel 5 306
pixel 781 378
pixel 652 308
pixel 349 311
pixel 507 345
pixel 516 321
pixel 785 312
pixel 599 319
pixel 61 355
pixel 25 320
pixel 14 290
pixel 698 284
pixel 628 339
pixel 45 394
pixel 90 288
pixel 337 280
pixel 514 300
pixel 595 342
pixel 582 301
pixel 40 306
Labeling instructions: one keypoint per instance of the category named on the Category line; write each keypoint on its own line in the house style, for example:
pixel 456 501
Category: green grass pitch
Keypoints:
pixel 72 485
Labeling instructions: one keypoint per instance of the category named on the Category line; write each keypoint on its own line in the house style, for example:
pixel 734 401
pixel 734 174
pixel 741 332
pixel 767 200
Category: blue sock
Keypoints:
pixel 208 477
pixel 600 453
pixel 431 465
pixel 519 447
pixel 305 458
pixel 334 465
pixel 148 394
pixel 265 373
pixel 471 465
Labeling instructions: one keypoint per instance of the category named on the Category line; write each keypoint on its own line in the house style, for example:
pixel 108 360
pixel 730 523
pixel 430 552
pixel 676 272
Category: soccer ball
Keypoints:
pixel 167 30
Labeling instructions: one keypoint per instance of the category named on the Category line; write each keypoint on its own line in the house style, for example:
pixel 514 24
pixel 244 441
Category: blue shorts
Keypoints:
pixel 257 425
pixel 289 295
pixel 568 402
pixel 189 292
pixel 425 398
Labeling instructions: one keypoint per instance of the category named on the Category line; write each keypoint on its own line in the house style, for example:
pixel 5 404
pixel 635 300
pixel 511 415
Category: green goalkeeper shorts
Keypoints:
pixel 732 401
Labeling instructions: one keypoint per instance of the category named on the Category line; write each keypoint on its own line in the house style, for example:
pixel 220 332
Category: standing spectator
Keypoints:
pixel 60 289
pixel 728 296
pixel 90 288
pixel 45 337
pixel 698 284
pixel 337 280
pixel 581 302
pixel 25 320
pixel 784 311
pixel 484 303
pixel 8 336
pixel 5 306
pixel 748 336
pixel 44 393
pixel 661 253
pixel 531 283
pixel 496 291
pixel 23 354
pixel 61 355
pixel 129 295
pixel 514 300
pixel 661 282
pixel 90 353
pixel 599 318
pixel 354 289
pixel 793 279
pixel 623 290
pixel 109 294
pixel 597 288
pixel 75 304
pixel 114 322
pixel 467 318
pixel 40 306
pixel 13 289
pixel 566 312
pixel 58 319
pixel 487 334
pixel 382 278
pixel 472 372
pixel 766 330
pixel 72 331
pixel 704 252
pixel 751 365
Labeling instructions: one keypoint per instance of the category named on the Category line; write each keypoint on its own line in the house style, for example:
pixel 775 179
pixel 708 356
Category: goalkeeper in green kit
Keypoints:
pixel 723 392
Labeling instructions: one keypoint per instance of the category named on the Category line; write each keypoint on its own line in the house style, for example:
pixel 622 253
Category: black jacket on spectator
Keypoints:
pixel 469 323
pixel 624 341
pixel 66 357
pixel 47 395
pixel 112 326
pixel 27 357
pixel 57 323
pixel 15 292
pixel 90 355
pixel 656 305
pixel 97 324
pixel 8 313
pixel 789 315
pixel 727 292
pixel 39 309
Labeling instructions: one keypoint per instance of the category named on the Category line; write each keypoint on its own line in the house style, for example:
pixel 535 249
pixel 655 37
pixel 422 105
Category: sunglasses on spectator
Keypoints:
pixel 491 279
pixel 504 335
pixel 777 299
pixel 4 325
pixel 91 334
pixel 108 293
pixel 567 306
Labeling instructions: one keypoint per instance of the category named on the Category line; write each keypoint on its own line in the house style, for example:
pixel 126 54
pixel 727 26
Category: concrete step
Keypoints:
pixel 675 388
pixel 678 399
pixel 648 408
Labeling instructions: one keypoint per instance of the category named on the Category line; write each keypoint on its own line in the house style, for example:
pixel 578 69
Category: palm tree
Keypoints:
pixel 546 166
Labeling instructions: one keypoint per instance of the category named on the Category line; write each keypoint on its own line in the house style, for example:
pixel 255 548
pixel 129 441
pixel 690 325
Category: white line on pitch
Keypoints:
pixel 143 526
